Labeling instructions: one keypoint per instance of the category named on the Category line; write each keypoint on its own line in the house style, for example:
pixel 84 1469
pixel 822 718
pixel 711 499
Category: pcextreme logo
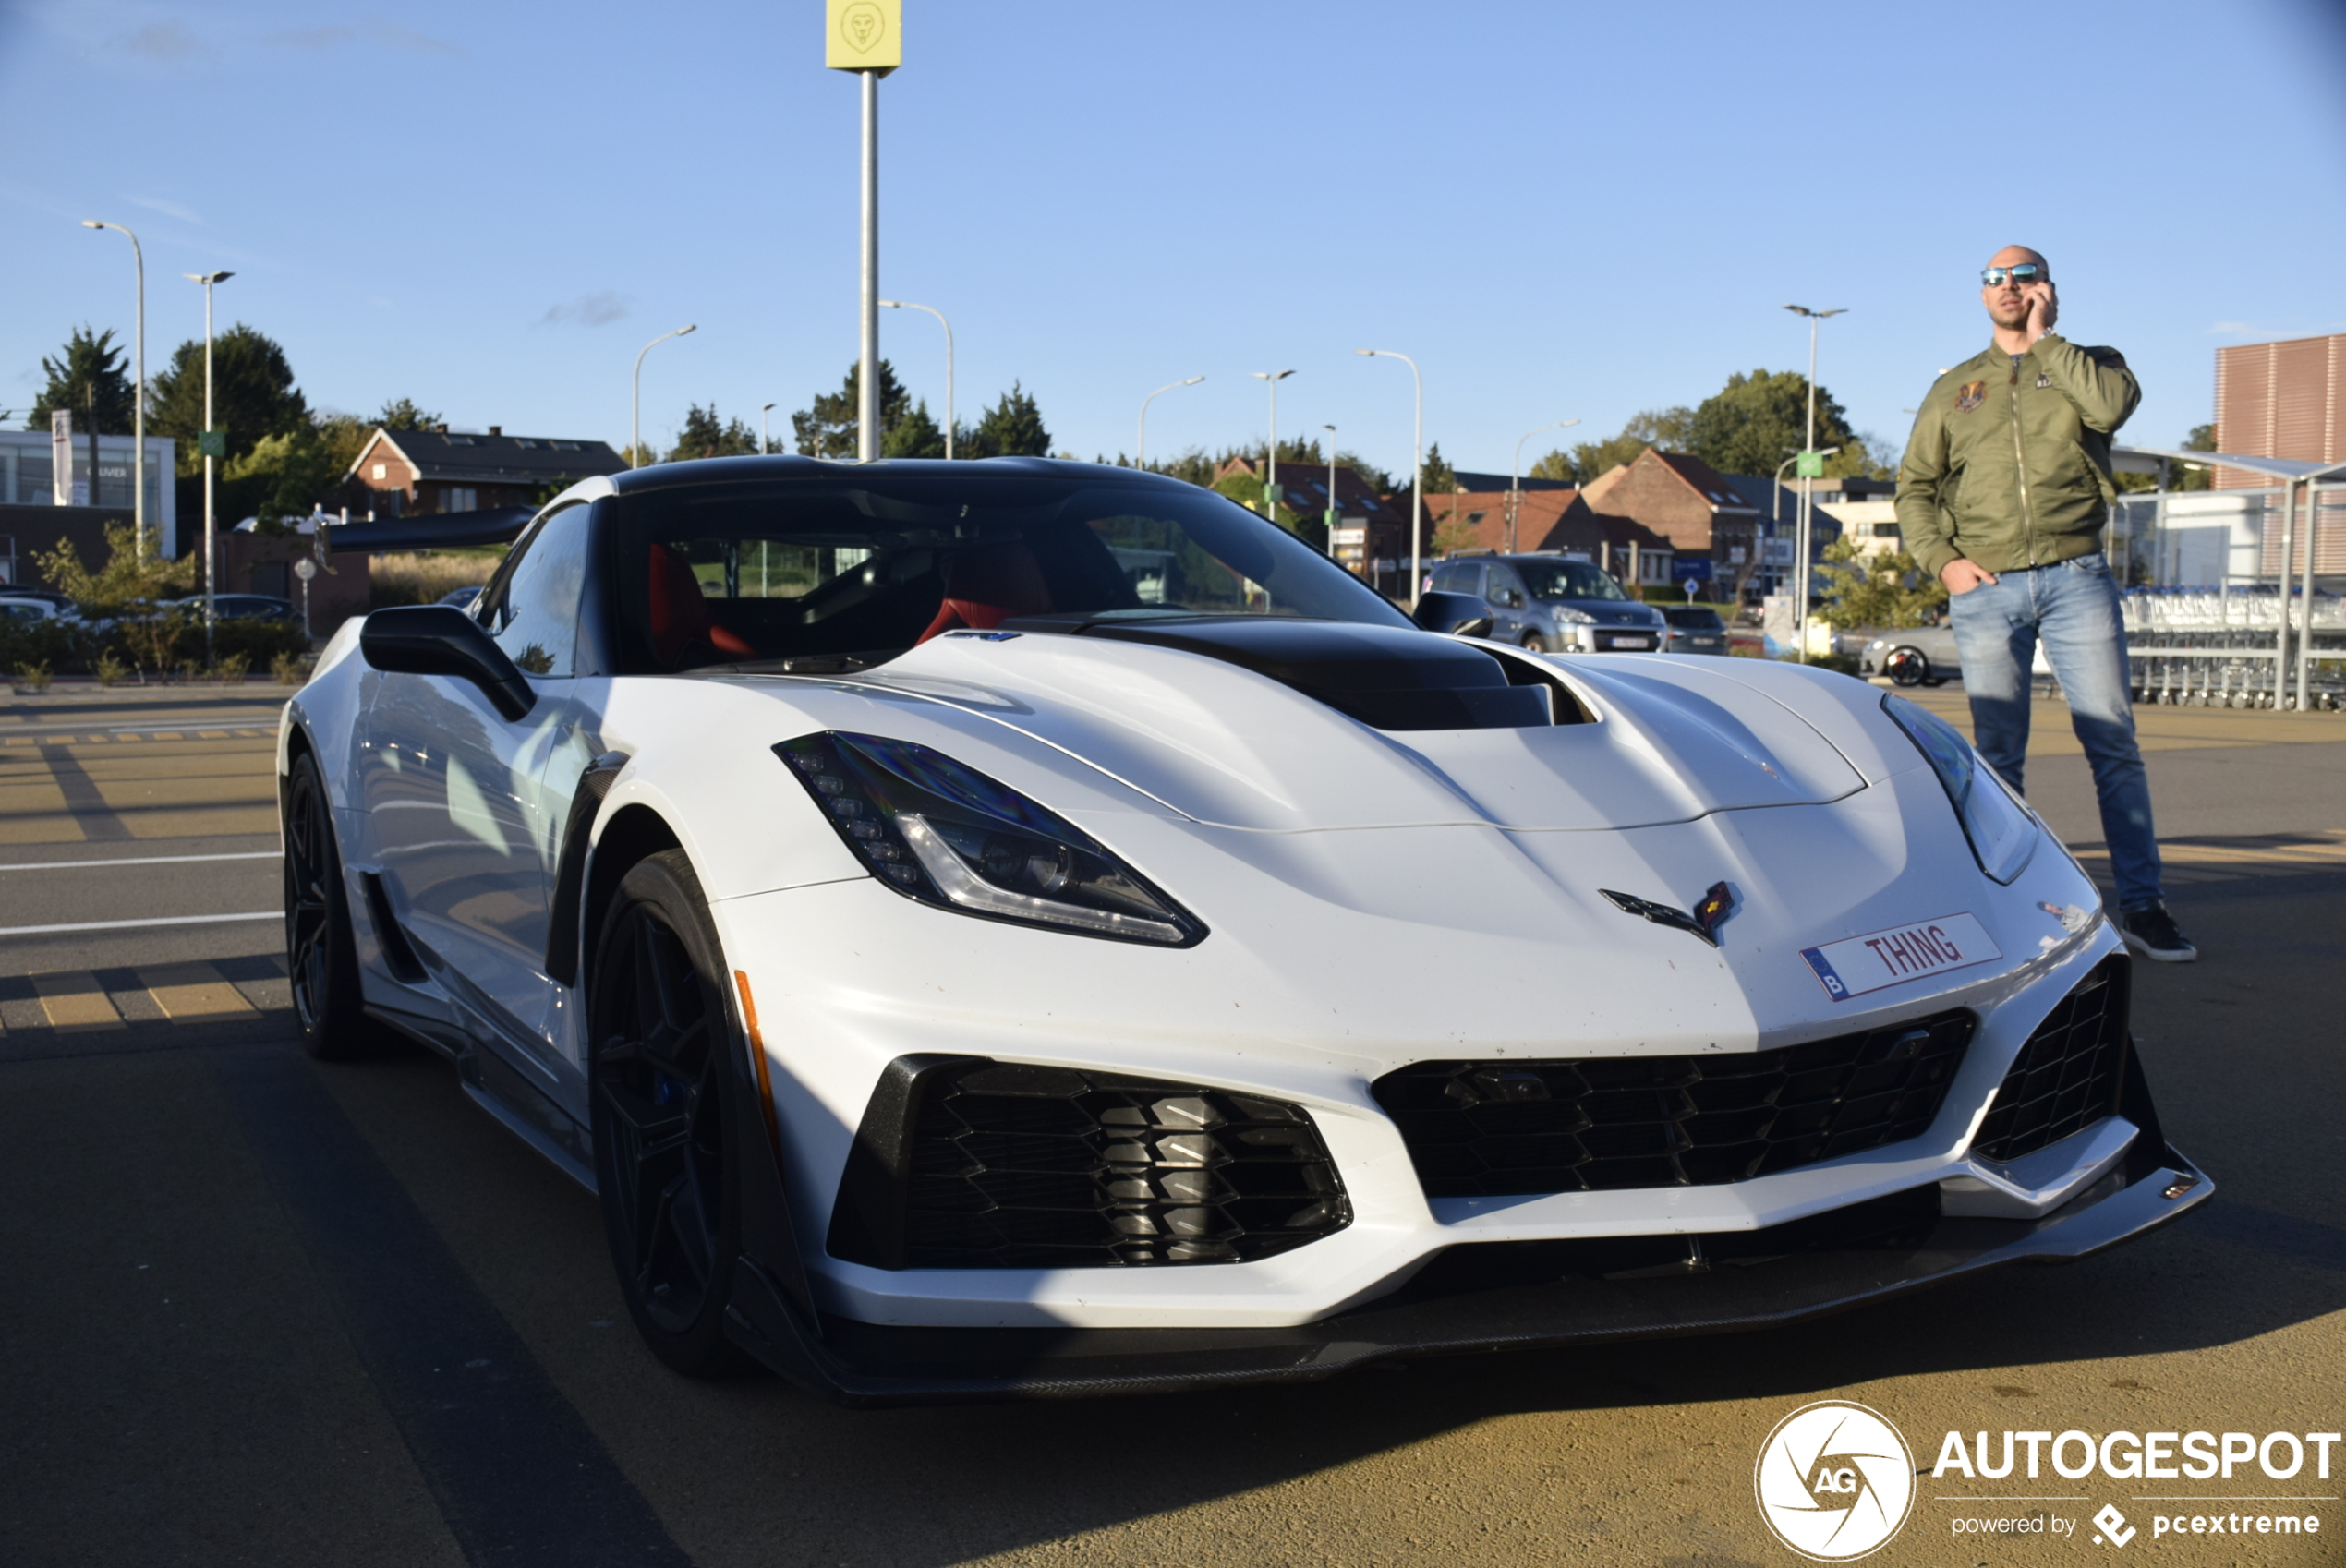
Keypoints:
pixel 1835 1482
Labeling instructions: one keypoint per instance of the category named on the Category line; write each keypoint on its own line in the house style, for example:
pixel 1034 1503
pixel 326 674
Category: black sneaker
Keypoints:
pixel 2152 933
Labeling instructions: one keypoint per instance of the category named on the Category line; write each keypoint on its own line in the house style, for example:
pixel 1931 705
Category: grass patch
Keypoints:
pixel 424 576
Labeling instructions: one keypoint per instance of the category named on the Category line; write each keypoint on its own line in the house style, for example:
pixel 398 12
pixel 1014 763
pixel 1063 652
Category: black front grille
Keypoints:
pixel 1485 1130
pixel 2069 1074
pixel 1000 1166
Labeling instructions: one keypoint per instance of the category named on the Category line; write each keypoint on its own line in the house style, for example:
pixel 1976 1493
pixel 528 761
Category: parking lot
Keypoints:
pixel 261 1310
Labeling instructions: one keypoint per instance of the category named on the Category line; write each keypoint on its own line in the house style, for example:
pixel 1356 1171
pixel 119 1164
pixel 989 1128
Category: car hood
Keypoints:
pixel 1609 612
pixel 1231 746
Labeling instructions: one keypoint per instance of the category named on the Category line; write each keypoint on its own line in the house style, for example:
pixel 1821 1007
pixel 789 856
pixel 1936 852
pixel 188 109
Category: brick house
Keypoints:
pixel 1370 528
pixel 411 473
pixel 1688 502
pixel 1556 519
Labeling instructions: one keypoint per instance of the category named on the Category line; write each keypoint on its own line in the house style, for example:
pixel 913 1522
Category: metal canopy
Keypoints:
pixel 2146 460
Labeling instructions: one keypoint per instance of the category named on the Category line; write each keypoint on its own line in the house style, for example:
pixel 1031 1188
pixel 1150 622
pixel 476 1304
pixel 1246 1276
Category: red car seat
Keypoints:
pixel 985 586
pixel 679 614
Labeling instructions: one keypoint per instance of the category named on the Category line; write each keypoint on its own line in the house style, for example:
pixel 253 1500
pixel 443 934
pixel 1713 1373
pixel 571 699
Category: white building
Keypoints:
pixel 27 479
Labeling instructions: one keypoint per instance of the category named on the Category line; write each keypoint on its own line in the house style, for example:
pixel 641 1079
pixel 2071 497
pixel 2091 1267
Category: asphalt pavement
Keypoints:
pixel 259 1310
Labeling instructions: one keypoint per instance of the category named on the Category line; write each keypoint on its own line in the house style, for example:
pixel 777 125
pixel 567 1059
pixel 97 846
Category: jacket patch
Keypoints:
pixel 1970 395
pixel 2043 381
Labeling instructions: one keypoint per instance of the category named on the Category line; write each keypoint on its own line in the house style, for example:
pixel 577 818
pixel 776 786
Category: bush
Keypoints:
pixel 1839 663
pixel 290 669
pixel 257 642
pixel 230 669
pixel 111 670
pixel 31 679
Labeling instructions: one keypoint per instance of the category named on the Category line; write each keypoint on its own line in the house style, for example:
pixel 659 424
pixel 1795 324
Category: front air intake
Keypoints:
pixel 1600 1124
pixel 2069 1074
pixel 964 1162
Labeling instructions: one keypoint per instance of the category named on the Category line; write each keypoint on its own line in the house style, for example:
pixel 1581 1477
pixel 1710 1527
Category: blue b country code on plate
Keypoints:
pixel 1881 959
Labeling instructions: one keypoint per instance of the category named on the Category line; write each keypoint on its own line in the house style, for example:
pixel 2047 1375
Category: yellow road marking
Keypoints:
pixel 75 1002
pixel 193 992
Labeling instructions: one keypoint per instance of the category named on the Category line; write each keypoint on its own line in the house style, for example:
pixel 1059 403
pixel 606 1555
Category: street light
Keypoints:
pixel 213 447
pixel 1515 489
pixel 138 400
pixel 1417 468
pixel 907 304
pixel 1271 463
pixel 1334 510
pixel 636 404
pixel 1775 495
pixel 765 430
pixel 1808 482
pixel 1141 461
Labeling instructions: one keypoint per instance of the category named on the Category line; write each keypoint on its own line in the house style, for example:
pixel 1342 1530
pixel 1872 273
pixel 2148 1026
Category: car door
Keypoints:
pixel 1505 596
pixel 463 831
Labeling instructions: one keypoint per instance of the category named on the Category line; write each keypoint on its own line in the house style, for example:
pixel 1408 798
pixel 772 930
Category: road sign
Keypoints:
pixel 211 443
pixel 864 35
pixel 1811 465
pixel 61 458
pixel 1690 568
pixel 305 569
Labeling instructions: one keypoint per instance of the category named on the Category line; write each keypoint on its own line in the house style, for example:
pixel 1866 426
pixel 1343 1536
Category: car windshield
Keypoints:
pixel 1695 620
pixel 848 571
pixel 1568 580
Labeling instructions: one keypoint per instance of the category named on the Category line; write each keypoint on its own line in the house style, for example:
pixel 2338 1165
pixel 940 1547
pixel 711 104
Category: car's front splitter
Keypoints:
pixel 862 1364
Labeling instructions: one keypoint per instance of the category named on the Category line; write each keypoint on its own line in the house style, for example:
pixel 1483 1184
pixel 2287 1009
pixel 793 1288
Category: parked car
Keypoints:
pixel 1694 629
pixel 1553 604
pixel 244 606
pixel 60 604
pixel 1918 655
pixel 30 609
pixel 968 923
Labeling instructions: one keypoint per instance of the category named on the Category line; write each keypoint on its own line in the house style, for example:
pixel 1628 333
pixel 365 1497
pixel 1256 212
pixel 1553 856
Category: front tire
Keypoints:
pixel 321 959
pixel 662 1075
pixel 1534 643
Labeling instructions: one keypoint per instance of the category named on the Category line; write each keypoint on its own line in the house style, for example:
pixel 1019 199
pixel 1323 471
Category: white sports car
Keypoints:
pixel 1025 928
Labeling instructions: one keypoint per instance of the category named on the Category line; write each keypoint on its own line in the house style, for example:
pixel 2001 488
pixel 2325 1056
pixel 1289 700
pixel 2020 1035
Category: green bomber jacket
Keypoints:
pixel 2009 465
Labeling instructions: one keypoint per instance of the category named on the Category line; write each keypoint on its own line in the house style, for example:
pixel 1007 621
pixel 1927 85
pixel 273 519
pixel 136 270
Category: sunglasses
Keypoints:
pixel 2027 272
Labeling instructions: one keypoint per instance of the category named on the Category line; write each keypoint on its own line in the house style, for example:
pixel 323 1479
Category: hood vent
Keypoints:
pixel 1387 677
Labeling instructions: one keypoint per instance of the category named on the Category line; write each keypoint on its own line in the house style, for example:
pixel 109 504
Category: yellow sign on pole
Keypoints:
pixel 864 35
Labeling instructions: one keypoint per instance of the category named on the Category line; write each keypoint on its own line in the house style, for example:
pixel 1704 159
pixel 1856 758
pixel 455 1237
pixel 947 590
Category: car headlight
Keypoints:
pixel 948 835
pixel 1567 616
pixel 2002 831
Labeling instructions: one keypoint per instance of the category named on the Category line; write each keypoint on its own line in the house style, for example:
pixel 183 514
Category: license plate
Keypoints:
pixel 1629 642
pixel 1882 958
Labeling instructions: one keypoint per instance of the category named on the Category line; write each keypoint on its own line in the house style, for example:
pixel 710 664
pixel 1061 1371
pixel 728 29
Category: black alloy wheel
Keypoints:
pixel 1906 667
pixel 1534 643
pixel 320 957
pixel 663 1077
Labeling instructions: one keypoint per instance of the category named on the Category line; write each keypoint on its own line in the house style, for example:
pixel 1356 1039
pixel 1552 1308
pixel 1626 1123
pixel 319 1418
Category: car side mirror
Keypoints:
pixel 438 639
pixel 1452 615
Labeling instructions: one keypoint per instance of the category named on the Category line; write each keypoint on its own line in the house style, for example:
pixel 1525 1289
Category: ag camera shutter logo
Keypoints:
pixel 1835 1482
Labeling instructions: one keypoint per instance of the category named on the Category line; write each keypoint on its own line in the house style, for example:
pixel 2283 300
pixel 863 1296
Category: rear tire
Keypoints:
pixel 321 959
pixel 662 1074
pixel 1534 643
pixel 1906 667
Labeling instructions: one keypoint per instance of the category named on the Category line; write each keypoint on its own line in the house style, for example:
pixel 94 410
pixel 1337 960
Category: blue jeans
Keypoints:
pixel 2073 608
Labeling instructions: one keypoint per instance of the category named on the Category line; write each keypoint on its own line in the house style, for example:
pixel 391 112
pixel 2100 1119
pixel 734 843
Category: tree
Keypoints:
pixel 253 394
pixel 1438 476
pixel 288 474
pixel 705 436
pixel 125 590
pixel 1667 429
pixel 827 429
pixel 1887 590
pixel 402 415
pixel 87 380
pixel 1012 428
pixel 1756 421
pixel 915 434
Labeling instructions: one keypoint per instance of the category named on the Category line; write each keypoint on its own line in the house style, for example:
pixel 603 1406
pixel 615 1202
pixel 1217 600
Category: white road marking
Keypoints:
pixel 139 860
pixel 136 925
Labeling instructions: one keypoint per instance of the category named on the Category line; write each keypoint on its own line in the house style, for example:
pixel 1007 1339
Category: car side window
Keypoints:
pixel 532 608
pixel 1503 589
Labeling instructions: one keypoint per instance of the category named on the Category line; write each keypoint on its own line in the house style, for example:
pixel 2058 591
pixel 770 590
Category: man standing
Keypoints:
pixel 2004 493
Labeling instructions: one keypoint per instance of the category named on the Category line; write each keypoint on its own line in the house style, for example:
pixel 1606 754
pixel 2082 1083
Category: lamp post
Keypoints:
pixel 212 449
pixel 1417 467
pixel 1141 461
pixel 636 403
pixel 867 38
pixel 1271 460
pixel 137 400
pixel 764 429
pixel 1334 511
pixel 1515 487
pixel 907 304
pixel 1808 481
pixel 1775 495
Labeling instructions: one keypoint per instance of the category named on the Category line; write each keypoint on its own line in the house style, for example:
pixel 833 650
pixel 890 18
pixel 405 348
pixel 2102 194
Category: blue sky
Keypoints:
pixel 1560 209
